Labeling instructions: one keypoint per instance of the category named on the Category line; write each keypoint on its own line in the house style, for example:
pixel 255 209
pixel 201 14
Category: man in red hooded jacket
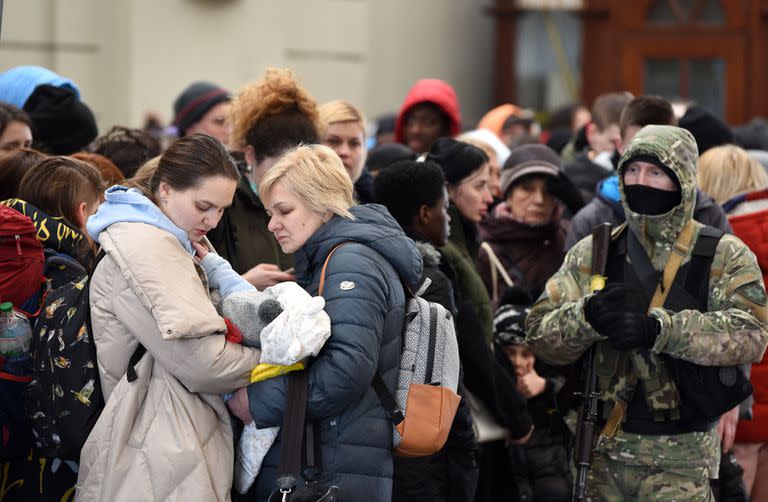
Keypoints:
pixel 430 111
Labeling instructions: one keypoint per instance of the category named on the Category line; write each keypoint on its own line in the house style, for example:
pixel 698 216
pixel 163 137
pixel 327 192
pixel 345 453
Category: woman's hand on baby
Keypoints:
pixel 265 275
pixel 201 251
pixel 238 404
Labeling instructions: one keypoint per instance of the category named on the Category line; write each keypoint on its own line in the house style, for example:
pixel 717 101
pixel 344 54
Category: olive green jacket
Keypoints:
pixel 242 236
pixel 461 254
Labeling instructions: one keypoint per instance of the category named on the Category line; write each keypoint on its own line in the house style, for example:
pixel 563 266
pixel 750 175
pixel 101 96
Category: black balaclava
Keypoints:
pixel 652 201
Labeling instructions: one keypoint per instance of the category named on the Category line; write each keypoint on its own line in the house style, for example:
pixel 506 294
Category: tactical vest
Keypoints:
pixel 654 401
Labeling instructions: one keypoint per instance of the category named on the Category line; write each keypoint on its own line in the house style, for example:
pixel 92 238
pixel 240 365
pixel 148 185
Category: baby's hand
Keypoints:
pixel 201 251
pixel 239 405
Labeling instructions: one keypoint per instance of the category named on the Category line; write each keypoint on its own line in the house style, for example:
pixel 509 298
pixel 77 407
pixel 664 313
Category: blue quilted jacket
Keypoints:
pixel 366 303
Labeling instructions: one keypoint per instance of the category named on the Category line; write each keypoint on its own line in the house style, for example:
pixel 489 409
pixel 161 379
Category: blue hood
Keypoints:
pixel 130 205
pixel 374 227
pixel 608 192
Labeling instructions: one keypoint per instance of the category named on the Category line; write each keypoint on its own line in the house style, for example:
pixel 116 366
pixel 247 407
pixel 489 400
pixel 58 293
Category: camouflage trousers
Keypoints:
pixel 645 467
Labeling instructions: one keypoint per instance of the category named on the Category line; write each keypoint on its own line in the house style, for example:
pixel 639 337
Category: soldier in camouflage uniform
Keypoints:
pixel 664 459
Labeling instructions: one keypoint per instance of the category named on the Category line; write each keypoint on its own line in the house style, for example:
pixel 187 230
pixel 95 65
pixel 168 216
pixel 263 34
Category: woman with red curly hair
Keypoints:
pixel 268 118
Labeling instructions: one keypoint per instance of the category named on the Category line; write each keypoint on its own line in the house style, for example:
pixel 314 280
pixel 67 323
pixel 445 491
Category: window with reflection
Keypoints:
pixel 701 12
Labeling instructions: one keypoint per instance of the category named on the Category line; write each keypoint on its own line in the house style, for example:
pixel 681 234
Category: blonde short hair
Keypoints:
pixel 727 171
pixel 339 111
pixel 316 175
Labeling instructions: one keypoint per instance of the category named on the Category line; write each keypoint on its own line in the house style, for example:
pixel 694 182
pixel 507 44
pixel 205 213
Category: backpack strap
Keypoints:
pixel 321 285
pixel 140 350
pixel 393 411
pixel 697 283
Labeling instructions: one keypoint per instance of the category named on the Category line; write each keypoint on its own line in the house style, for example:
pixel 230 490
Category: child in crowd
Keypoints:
pixel 540 467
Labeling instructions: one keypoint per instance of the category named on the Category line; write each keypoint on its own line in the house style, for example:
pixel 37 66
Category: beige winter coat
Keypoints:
pixel 167 435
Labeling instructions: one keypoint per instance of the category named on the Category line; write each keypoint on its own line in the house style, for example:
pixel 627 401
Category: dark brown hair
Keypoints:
pixel 186 163
pixel 606 109
pixel 14 164
pixel 57 185
pixel 127 148
pixel 647 110
pixel 10 113
pixel 110 173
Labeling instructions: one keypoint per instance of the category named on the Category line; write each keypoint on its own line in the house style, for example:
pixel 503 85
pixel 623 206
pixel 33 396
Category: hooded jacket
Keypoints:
pixel 494 119
pixel 606 207
pixel 748 214
pixel 731 332
pixel 430 90
pixel 365 300
pixel 166 435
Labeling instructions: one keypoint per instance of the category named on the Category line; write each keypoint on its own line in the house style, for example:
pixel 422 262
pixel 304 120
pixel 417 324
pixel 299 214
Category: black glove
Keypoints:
pixel 612 313
pixel 601 307
pixel 630 330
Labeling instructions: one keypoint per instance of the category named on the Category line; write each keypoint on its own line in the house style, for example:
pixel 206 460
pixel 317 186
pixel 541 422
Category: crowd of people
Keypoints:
pixel 135 385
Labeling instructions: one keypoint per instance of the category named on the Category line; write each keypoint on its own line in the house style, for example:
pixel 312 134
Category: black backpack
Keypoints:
pixel 64 399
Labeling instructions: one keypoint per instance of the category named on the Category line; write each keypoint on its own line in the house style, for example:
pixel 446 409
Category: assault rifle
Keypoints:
pixel 589 396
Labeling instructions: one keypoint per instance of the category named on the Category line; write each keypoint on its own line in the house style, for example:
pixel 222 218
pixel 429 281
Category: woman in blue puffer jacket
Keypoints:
pixel 308 195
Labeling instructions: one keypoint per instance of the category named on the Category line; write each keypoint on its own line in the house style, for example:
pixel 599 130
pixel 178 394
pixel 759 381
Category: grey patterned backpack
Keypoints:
pixel 425 401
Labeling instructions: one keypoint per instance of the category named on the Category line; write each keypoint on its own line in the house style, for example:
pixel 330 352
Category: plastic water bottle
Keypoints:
pixel 15 338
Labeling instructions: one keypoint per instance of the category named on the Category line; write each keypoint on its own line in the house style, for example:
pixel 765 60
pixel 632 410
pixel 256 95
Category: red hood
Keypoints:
pixel 435 91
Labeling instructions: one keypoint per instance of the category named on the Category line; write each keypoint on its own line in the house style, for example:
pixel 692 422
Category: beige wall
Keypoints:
pixel 129 56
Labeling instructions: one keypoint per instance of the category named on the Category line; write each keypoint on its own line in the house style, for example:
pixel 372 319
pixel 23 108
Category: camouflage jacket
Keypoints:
pixel 732 332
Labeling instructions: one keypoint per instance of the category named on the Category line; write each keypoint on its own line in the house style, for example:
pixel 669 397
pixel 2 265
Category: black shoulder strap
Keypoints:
pixel 393 411
pixel 641 264
pixel 292 432
pixel 696 278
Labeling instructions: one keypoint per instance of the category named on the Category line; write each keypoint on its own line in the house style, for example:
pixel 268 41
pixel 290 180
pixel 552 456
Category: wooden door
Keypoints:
pixel 709 51
pixel 707 69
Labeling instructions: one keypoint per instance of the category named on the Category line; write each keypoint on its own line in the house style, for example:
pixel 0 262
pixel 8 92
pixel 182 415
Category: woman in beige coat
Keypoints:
pixel 167 434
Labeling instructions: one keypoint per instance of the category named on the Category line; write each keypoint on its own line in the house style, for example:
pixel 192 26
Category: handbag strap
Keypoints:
pixel 294 419
pixel 496 269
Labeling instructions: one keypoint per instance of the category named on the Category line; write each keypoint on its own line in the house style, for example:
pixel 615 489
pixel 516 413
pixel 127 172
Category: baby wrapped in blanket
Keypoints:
pixel 289 325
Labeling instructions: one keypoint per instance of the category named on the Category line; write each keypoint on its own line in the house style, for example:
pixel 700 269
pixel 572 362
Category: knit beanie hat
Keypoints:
pixel 708 130
pixel 529 159
pixel 195 101
pixel 509 324
pixel 458 159
pixel 61 123
pixel 18 84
